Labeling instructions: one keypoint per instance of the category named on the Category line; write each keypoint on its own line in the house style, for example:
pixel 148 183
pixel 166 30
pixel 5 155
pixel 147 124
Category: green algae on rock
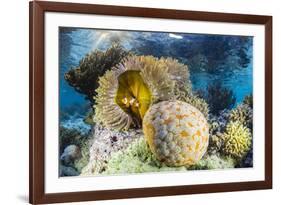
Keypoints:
pixel 214 161
pixel 137 158
pixel 126 91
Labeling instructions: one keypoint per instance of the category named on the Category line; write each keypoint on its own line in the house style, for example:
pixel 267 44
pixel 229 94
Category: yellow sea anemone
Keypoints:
pixel 126 91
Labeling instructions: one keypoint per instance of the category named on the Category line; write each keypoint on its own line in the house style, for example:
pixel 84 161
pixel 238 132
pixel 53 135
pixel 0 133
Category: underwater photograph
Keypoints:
pixel 133 102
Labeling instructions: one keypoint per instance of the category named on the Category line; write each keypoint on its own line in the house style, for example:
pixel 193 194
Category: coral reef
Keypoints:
pixel 84 78
pixel 240 119
pixel 71 136
pixel 177 133
pixel 67 171
pixel 70 153
pixel 185 94
pixel 137 158
pixel 237 140
pixel 74 149
pixel 76 123
pixel 217 125
pixel 156 78
pixel 199 103
pixel 141 112
pixel 214 161
pixel 219 98
pixel 215 143
pixel 68 136
pixel 247 161
pixel 106 142
pixel 84 158
pixel 198 62
pixel 208 53
pixel 248 100
pixel 243 112
pixel 218 122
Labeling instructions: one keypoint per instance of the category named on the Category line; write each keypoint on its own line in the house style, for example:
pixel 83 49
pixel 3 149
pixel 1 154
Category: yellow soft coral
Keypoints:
pixel 237 140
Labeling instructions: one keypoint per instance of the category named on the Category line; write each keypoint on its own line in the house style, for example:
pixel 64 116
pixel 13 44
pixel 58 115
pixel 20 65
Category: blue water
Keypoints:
pixel 211 58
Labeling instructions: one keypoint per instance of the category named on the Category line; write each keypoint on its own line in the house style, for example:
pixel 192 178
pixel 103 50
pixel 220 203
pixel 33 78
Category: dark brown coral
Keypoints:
pixel 84 78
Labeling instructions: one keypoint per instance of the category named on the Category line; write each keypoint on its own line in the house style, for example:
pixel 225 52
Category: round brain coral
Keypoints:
pixel 126 91
pixel 177 133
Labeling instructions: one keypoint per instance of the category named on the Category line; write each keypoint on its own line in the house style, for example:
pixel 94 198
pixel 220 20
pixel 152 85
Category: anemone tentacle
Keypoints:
pixel 123 96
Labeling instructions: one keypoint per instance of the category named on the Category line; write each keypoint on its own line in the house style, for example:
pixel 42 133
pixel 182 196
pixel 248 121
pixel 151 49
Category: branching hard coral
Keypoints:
pixel 248 100
pixel 137 158
pixel 243 113
pixel 248 159
pixel 215 143
pixel 217 125
pixel 126 92
pixel 84 77
pixel 219 98
pixel 237 140
pixel 214 161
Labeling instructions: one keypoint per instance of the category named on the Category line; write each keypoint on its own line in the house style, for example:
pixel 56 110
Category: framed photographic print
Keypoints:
pixel 138 102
